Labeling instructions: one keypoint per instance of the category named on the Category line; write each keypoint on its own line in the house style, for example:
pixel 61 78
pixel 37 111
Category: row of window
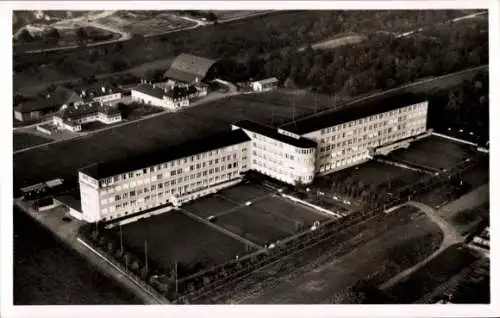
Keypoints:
pixel 174 163
pixel 373 118
pixel 136 197
pixel 265 167
pixel 180 179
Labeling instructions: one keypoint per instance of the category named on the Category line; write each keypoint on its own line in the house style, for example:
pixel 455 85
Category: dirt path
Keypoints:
pixel 450 237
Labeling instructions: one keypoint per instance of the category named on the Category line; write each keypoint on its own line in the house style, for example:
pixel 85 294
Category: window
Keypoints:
pixel 144 170
pixel 191 168
pixel 152 169
pixel 159 176
pixel 216 161
pixel 198 166
pixel 172 182
pixel 125 195
pixel 132 193
pixel 160 186
pixel 117 198
pixel 124 176
pixel 146 190
pixel 130 174
pixel 153 187
pixel 211 171
pixel 115 179
pixel 179 171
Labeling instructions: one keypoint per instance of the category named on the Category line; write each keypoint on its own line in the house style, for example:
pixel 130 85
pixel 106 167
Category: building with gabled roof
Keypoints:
pixel 172 98
pixel 189 69
pixel 34 109
pixel 72 117
pixel 98 92
pixel 265 84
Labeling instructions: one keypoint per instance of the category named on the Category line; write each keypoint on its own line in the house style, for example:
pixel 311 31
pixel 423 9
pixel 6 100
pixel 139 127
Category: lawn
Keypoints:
pixel 434 153
pixel 243 193
pixel 291 211
pixel 257 226
pixel 174 236
pixel 139 137
pixel 134 111
pixel 25 140
pixel 436 272
pixel 210 205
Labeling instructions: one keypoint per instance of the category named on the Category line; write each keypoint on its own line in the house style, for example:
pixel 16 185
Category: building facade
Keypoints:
pixel 170 98
pixel 74 116
pixel 265 84
pixel 294 154
pixel 180 174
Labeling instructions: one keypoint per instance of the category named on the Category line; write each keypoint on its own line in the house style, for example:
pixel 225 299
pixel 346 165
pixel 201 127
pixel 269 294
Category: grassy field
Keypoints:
pixel 210 205
pixel 244 192
pixel 354 255
pixel 433 274
pixel 257 226
pixel 25 140
pixel 333 43
pixel 232 14
pixel 174 237
pixel 145 22
pixel 142 136
pixel 435 153
pixel 289 210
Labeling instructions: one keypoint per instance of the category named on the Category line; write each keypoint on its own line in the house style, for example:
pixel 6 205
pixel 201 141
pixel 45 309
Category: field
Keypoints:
pixel 25 140
pixel 334 265
pixel 142 136
pixel 434 153
pixel 174 236
pixel 145 22
pixel 223 15
pixel 268 219
pixel 433 274
pixel 134 111
pixel 339 41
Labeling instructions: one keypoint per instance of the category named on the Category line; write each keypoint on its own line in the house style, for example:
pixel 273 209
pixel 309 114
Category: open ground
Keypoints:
pixel 434 153
pixel 24 140
pixel 175 237
pixel 323 270
pixel 255 213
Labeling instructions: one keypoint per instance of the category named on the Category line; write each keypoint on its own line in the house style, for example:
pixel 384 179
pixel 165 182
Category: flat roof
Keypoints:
pixel 71 200
pixel 107 169
pixel 150 90
pixel 274 134
pixel 349 113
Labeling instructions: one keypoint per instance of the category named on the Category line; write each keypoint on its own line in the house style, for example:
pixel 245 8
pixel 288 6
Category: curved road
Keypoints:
pixel 450 237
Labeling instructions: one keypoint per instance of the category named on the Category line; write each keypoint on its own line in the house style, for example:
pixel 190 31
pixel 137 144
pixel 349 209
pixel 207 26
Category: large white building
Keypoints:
pixel 163 179
pixel 293 153
pixel 173 98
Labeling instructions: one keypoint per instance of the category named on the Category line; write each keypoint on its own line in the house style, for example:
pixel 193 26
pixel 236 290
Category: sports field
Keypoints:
pixel 174 236
pixel 434 153
pixel 255 213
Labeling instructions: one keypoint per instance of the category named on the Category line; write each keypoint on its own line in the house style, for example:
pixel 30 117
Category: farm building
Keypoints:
pixel 294 153
pixel 100 93
pixel 36 108
pixel 265 84
pixel 189 69
pixel 72 117
pixel 156 95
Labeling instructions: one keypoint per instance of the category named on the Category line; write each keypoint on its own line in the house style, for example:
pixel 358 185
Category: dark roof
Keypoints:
pixel 148 89
pixel 108 169
pixel 351 112
pixel 73 112
pixel 274 134
pixel 180 92
pixel 97 90
pixel 187 67
pixel 72 200
pixel 269 80
pixel 55 99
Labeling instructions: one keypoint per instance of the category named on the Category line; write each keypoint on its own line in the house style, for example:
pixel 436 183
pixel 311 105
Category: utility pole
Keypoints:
pixel 121 240
pixel 146 254
pixel 176 284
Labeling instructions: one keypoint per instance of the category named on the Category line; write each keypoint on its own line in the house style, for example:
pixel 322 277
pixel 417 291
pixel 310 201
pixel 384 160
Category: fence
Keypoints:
pixel 128 273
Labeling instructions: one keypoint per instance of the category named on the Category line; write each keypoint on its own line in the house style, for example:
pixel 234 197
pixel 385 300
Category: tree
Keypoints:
pixel 53 35
pixel 81 35
pixel 25 36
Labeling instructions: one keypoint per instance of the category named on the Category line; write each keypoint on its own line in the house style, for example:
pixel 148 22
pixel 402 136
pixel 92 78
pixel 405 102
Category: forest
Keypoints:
pixel 279 31
pixel 379 63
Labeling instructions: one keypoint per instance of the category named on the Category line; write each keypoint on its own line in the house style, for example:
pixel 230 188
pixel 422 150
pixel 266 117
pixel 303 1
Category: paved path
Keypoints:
pixel 450 237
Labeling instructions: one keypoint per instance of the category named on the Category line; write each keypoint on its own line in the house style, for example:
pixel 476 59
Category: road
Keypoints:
pixel 450 237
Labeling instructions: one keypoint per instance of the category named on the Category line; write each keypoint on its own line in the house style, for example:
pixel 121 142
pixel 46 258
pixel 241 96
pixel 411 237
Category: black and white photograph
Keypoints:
pixel 186 154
